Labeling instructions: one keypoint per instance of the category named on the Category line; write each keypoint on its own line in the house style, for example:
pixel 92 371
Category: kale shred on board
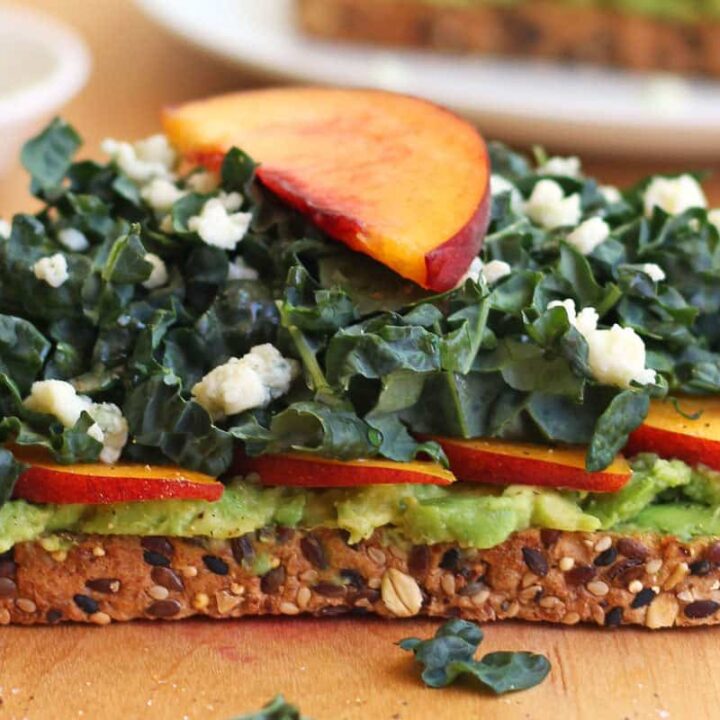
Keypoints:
pixel 381 359
pixel 450 654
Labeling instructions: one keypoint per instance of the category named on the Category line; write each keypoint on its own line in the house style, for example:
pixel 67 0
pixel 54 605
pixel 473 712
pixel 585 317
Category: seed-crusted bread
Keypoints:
pixel 540 29
pixel 551 576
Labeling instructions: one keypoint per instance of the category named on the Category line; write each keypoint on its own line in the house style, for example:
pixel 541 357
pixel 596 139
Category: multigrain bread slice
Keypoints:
pixel 540 29
pixel 551 576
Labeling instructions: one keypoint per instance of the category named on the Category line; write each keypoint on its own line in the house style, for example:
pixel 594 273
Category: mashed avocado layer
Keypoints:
pixel 663 496
pixel 687 10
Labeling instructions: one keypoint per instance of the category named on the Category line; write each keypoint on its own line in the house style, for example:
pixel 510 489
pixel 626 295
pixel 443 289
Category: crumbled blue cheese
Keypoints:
pixel 611 194
pixel 4 228
pixel 500 185
pixel 73 240
pixel 52 269
pixel 161 194
pixel 231 201
pixel 564 166
pixel 203 181
pixel 491 272
pixel 57 398
pixel 656 273
pixel 113 430
pixel 143 160
pixel 253 380
pixel 219 226
pixel 60 399
pixel 615 356
pixel 495 270
pixel 548 206
pixel 588 235
pixel 240 270
pixel 159 275
pixel 673 195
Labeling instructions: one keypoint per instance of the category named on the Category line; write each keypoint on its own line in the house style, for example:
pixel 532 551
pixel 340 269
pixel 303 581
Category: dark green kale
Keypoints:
pixel 276 709
pixel 382 361
pixel 450 654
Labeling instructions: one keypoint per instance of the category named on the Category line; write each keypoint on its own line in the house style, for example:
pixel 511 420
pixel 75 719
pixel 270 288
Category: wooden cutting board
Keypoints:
pixel 344 669
pixel 334 669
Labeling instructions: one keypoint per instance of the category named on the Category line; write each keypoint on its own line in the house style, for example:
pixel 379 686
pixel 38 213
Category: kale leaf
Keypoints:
pixel 383 361
pixel 450 655
pixel 10 470
pixel 277 709
pixel 48 156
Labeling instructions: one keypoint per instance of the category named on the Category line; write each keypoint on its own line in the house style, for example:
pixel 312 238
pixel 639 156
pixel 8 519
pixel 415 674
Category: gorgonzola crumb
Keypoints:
pixel 548 207
pixel 238 269
pixel 143 160
pixel 60 399
pixel 52 269
pixel 616 356
pixel 218 226
pixel 73 240
pixel 673 195
pixel 253 380
pixel 159 275
pixel 588 235
pixel 564 166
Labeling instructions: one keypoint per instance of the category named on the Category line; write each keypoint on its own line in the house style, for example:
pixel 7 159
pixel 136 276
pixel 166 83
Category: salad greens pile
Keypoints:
pixel 383 361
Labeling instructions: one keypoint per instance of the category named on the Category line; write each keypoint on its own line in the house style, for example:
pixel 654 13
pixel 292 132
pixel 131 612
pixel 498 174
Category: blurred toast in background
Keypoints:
pixel 661 35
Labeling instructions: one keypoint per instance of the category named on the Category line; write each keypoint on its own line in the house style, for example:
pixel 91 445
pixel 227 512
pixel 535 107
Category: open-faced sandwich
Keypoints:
pixel 385 370
pixel 676 35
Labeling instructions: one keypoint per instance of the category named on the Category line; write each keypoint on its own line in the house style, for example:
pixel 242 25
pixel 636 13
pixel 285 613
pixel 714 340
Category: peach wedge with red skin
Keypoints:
pixel 671 435
pixel 397 178
pixel 301 470
pixel 497 462
pixel 99 484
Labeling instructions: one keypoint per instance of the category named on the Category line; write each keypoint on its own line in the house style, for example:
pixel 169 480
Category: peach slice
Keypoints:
pixel 99 484
pixel 391 176
pixel 499 462
pixel 300 470
pixel 671 435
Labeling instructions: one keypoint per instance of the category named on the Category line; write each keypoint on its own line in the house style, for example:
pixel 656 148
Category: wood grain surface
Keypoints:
pixel 335 669
pixel 339 669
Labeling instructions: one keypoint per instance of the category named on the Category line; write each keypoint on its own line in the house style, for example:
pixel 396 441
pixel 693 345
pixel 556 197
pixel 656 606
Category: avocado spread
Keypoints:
pixel 665 496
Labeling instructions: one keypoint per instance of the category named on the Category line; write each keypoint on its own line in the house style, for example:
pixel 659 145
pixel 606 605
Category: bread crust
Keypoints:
pixel 542 29
pixel 551 576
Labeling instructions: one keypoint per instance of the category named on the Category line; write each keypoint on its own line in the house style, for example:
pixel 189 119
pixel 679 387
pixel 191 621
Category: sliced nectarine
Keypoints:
pixel 99 484
pixel 300 470
pixel 499 462
pixel 392 176
pixel 671 434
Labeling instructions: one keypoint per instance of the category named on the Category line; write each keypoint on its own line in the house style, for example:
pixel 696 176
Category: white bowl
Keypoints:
pixel 42 65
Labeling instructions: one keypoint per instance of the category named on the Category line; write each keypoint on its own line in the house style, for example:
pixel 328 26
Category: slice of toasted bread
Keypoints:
pixel 552 576
pixel 540 29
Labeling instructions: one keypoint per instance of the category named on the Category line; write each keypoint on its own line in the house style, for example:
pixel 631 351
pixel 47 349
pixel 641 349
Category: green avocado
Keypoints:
pixel 665 496
pixel 683 10
pixel 472 516
pixel 650 478
pixel 684 520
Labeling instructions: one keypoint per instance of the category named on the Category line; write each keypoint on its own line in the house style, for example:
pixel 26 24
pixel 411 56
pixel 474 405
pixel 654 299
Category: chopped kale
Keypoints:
pixel 381 360
pixel 451 654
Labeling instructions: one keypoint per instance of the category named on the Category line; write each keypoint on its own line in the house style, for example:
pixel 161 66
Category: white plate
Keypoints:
pixel 42 65
pixel 582 108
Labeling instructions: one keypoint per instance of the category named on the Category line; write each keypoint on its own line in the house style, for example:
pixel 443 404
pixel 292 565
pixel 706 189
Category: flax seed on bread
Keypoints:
pixel 539 575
